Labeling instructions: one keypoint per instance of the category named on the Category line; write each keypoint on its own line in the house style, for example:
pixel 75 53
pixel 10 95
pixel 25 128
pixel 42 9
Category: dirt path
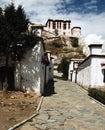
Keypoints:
pixel 15 107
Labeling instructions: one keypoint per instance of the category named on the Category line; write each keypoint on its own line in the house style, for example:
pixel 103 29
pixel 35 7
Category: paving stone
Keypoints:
pixel 42 117
pixel 27 127
pixel 69 109
pixel 42 127
pixel 54 113
pixel 51 121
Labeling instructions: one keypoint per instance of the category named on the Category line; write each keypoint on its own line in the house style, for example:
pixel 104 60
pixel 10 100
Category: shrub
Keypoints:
pixel 74 41
pixel 58 45
pixel 63 67
pixel 97 94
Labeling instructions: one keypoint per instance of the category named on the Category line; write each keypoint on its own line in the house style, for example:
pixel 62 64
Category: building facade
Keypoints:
pixel 36 69
pixel 29 72
pixel 32 72
pixel 73 66
pixel 91 72
pixel 58 27
pixel 76 31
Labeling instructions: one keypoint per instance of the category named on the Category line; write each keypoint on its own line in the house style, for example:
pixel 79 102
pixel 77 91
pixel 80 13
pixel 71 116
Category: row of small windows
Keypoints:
pixel 58 24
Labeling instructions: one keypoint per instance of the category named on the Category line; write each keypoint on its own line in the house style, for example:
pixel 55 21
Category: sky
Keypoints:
pixel 87 14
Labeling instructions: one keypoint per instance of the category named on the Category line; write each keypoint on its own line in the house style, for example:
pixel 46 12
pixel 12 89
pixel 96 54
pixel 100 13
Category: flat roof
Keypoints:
pixel 98 44
pixel 76 27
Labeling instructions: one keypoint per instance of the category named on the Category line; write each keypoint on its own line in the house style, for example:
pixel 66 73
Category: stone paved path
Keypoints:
pixel 69 109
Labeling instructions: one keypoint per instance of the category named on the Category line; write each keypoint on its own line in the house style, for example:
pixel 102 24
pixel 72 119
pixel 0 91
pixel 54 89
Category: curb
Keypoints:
pixel 97 101
pixel 26 120
pixel 86 92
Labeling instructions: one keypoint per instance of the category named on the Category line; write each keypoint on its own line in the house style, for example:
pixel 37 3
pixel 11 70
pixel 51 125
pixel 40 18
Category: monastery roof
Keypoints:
pixel 91 56
pixel 76 27
pixel 95 44
pixel 58 20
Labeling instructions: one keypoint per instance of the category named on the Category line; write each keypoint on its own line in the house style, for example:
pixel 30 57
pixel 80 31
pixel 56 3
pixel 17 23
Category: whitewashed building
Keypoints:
pixel 76 31
pixel 73 66
pixel 36 69
pixel 62 28
pixel 58 27
pixel 91 72
pixel 30 70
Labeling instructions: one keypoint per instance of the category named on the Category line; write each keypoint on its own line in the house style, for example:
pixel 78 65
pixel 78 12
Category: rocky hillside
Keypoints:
pixel 59 46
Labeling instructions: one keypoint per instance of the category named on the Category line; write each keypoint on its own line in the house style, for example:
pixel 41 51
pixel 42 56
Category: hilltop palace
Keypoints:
pixel 54 28
pixel 62 28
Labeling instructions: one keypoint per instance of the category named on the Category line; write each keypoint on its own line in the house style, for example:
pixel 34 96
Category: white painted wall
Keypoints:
pixel 61 31
pixel 74 76
pixel 96 49
pixel 72 72
pixel 31 71
pixel 76 31
pixel 96 72
pixel 84 74
pixel 90 72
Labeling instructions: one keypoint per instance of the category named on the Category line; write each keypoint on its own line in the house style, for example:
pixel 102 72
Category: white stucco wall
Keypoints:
pixel 60 30
pixel 31 70
pixel 70 69
pixel 90 72
pixel 96 51
pixel 76 32
pixel 74 76
pixel 84 74
pixel 96 72
pixel 72 72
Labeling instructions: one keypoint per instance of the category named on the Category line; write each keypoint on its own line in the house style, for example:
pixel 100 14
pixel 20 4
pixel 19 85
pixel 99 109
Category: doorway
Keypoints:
pixel 10 77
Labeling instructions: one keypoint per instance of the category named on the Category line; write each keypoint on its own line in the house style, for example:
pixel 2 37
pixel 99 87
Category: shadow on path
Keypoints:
pixel 49 89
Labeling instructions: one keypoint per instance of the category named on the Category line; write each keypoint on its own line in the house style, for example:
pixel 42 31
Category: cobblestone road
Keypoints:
pixel 69 109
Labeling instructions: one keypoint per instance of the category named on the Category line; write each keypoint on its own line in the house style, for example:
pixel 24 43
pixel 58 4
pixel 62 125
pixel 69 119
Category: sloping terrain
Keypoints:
pixel 64 47
pixel 16 106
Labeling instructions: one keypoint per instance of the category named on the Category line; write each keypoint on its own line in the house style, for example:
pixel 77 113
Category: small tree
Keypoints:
pixel 74 41
pixel 14 39
pixel 63 67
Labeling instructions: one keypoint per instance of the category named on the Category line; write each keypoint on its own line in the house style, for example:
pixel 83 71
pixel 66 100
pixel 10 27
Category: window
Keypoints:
pixel 49 24
pixel 60 25
pixel 54 25
pixel 104 75
pixel 64 25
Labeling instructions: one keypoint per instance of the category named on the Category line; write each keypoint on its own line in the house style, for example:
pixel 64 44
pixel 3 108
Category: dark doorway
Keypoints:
pixel 104 75
pixel 10 77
